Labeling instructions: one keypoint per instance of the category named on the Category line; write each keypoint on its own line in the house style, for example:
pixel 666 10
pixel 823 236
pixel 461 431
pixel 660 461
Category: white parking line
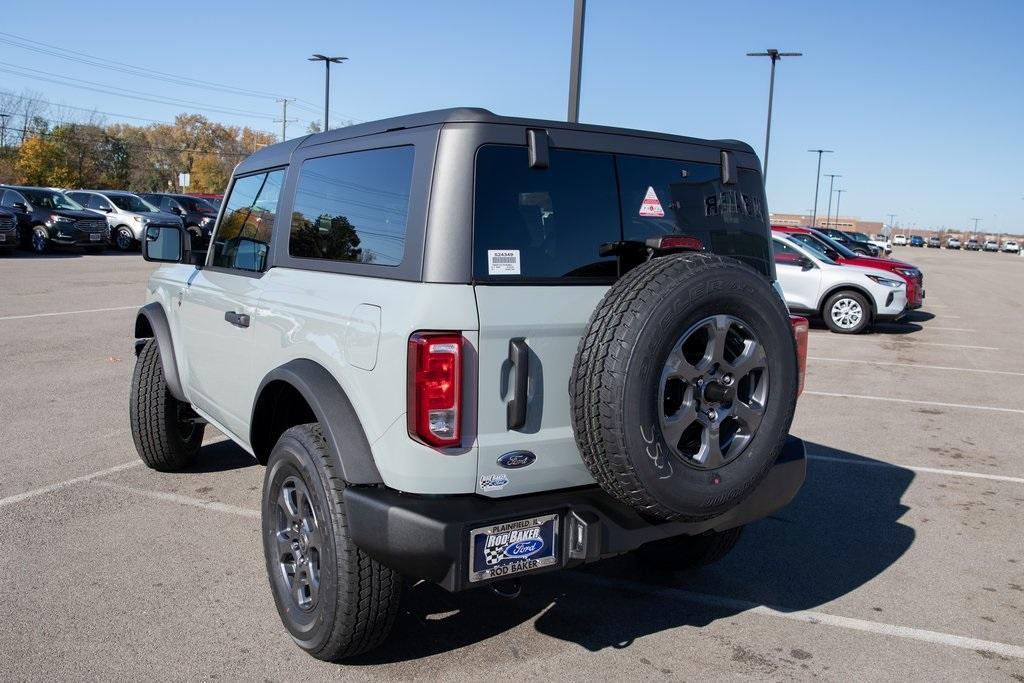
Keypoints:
pixel 951 329
pixel 907 400
pixel 916 365
pixel 17 498
pixel 182 500
pixel 915 468
pixel 47 315
pixel 805 616
pixel 846 338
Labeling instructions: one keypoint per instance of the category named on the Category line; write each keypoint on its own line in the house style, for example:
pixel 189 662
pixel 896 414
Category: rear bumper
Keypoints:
pixel 427 537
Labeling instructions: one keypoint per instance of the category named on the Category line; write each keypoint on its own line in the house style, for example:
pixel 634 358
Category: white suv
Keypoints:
pixel 470 348
pixel 1011 247
pixel 128 215
pixel 848 298
pixel 899 240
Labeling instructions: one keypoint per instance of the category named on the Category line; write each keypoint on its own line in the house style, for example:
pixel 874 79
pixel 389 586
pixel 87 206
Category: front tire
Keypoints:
pixel 847 312
pixel 335 601
pixel 39 240
pixel 167 433
pixel 124 240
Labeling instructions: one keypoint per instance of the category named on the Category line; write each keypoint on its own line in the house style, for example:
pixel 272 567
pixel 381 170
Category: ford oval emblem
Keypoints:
pixel 514 460
pixel 530 546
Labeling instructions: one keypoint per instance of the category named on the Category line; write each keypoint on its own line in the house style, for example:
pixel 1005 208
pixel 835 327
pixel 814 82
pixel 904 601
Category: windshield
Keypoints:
pixel 50 199
pixel 129 202
pixel 842 249
pixel 197 205
pixel 815 248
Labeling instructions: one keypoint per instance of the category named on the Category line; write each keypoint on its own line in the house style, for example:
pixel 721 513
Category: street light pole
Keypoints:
pixel 576 60
pixel 817 179
pixel 892 222
pixel 832 181
pixel 839 196
pixel 775 56
pixel 975 226
pixel 327 82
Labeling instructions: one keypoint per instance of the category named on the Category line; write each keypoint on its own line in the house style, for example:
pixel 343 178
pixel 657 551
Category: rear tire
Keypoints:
pixel 166 431
pixel 687 552
pixel 847 312
pixel 335 601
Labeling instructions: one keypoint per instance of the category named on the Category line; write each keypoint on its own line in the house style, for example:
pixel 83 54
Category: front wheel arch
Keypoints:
pixel 848 288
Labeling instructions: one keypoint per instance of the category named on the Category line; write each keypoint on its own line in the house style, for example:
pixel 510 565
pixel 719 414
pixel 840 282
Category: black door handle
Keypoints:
pixel 519 356
pixel 237 319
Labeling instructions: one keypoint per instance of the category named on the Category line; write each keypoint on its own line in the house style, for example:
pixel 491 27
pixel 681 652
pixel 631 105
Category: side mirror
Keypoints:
pixel 20 206
pixel 166 244
pixel 177 210
pixel 805 263
pixel 104 209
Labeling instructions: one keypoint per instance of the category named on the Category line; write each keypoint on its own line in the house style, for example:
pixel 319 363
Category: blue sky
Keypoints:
pixel 922 101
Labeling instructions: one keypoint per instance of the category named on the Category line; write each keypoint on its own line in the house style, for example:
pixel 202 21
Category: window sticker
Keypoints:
pixel 650 207
pixel 503 262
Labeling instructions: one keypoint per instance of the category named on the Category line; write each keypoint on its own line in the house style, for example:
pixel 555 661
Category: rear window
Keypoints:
pixel 549 224
pixel 542 224
pixel 668 197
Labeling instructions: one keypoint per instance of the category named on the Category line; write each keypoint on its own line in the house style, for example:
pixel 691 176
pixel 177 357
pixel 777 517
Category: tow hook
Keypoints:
pixel 508 589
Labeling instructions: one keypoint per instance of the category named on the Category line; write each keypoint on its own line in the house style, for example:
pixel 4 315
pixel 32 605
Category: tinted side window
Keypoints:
pixel 353 207
pixel 785 255
pixel 543 223
pixel 242 238
pixel 668 197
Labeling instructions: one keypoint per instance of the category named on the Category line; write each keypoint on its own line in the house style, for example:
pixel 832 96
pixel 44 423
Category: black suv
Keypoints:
pixel 197 213
pixel 49 217
pixel 848 241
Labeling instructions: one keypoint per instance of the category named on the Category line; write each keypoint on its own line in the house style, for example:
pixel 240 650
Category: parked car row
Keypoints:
pixel 822 277
pixel 40 218
pixel 955 243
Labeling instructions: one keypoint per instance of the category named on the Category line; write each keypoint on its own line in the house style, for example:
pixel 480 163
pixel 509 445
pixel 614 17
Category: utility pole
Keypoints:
pixel 327 83
pixel 892 222
pixel 775 56
pixel 284 117
pixel 817 179
pixel 839 196
pixel 975 225
pixel 576 60
pixel 832 180
pixel 3 129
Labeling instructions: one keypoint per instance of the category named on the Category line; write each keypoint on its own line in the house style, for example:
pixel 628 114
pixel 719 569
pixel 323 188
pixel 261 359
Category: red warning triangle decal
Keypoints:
pixel 650 206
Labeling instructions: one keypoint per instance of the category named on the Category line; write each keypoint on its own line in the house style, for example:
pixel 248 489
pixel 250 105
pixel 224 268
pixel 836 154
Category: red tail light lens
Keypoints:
pixel 435 388
pixel 800 334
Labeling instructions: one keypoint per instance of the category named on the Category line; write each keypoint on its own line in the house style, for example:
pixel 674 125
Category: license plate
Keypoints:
pixel 511 548
pixel 95 237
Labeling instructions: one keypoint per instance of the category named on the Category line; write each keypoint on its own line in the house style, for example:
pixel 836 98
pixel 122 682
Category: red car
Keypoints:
pixel 840 254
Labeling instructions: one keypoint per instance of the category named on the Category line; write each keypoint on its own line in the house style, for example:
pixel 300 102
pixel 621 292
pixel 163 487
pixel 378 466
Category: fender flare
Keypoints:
pixel 341 427
pixel 151 323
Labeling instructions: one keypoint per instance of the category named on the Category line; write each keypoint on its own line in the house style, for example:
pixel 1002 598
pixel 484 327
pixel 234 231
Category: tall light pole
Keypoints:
pixel 832 181
pixel 817 179
pixel 775 56
pixel 839 196
pixel 576 60
pixel 327 83
pixel 892 222
pixel 975 226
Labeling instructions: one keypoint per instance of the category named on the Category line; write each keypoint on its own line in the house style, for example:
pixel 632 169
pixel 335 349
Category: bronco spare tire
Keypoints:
pixel 684 385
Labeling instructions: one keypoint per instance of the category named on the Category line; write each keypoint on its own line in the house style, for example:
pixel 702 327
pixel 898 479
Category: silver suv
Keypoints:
pixel 128 215
pixel 471 348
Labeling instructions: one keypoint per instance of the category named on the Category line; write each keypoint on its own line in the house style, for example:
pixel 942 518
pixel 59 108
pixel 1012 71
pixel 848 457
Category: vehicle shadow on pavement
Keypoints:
pixel 841 531
pixel 220 456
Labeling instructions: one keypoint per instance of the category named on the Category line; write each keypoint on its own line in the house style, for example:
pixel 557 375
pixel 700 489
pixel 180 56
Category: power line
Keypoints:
pixel 83 58
pixel 113 90
pixel 75 134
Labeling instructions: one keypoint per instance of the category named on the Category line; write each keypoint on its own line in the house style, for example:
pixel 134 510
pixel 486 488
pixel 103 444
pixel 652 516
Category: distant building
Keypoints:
pixel 840 223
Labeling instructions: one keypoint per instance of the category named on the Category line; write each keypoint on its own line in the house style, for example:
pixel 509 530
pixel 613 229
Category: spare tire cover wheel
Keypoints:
pixel 694 364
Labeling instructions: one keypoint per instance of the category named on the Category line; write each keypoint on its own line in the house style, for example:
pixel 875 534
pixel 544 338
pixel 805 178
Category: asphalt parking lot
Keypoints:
pixel 902 557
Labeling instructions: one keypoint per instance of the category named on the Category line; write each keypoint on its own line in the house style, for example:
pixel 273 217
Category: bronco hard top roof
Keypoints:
pixel 280 153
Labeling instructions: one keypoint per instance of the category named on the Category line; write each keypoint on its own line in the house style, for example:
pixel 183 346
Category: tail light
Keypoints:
pixel 800 334
pixel 435 388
